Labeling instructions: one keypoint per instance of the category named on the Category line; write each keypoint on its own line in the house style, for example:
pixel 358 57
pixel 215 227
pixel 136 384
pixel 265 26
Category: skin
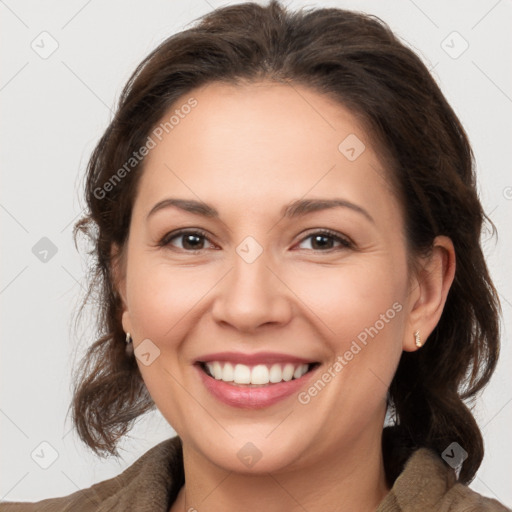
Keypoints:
pixel 241 151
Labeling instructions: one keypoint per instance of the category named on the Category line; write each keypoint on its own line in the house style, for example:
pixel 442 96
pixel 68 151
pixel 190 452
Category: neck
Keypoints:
pixel 352 479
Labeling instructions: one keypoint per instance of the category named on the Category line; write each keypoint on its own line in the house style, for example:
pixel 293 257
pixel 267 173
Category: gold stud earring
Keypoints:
pixel 417 339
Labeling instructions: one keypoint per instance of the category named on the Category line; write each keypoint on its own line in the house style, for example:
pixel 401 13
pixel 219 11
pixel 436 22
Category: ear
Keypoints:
pixel 118 268
pixel 429 290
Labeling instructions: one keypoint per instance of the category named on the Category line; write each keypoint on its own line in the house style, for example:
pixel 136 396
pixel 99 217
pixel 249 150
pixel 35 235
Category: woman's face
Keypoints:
pixel 263 286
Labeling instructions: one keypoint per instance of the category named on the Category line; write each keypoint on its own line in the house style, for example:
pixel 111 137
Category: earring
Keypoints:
pixel 417 339
pixel 129 344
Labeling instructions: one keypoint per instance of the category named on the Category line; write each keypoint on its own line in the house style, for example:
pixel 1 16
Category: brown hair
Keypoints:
pixel 357 60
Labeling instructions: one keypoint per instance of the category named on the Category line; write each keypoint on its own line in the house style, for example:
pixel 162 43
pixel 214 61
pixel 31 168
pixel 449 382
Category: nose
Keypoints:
pixel 252 295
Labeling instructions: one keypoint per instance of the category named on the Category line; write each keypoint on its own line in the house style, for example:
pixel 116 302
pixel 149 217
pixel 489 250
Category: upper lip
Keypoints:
pixel 253 359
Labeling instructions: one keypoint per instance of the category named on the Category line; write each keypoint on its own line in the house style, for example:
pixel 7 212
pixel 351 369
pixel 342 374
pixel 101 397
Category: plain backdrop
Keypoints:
pixel 63 66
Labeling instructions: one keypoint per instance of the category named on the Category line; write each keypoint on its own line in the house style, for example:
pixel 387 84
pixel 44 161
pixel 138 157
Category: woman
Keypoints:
pixel 287 237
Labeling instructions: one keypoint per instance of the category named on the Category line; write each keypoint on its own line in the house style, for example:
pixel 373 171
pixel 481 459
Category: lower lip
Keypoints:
pixel 252 397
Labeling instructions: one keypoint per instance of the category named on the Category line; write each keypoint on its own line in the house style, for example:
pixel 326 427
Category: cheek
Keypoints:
pixel 160 296
pixel 359 308
pixel 163 301
pixel 352 297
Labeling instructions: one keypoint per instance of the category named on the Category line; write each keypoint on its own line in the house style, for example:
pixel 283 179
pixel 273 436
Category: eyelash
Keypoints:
pixel 345 242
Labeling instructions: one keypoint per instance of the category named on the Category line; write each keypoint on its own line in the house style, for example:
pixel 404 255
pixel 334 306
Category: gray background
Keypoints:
pixel 54 109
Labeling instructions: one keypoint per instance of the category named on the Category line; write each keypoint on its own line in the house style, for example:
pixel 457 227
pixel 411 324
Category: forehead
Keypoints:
pixel 259 145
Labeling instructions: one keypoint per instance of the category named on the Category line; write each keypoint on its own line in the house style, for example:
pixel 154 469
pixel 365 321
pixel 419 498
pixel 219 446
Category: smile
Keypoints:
pixel 256 375
pixel 254 381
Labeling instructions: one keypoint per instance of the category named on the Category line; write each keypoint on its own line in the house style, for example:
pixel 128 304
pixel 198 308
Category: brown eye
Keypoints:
pixel 324 241
pixel 190 240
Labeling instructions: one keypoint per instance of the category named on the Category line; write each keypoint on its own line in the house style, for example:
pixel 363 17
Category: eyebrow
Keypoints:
pixel 304 206
pixel 187 205
pixel 298 208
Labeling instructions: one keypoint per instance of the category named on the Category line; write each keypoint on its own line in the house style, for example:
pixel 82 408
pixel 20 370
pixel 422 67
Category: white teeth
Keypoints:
pixel 300 371
pixel 228 373
pixel 288 372
pixel 276 374
pixel 242 374
pixel 217 370
pixel 260 374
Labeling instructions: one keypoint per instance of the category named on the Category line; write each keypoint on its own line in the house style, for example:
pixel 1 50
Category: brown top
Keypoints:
pixel 153 481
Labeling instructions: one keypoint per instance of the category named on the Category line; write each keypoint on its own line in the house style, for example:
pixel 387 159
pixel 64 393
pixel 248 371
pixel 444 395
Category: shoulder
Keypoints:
pixel 84 500
pixel 427 484
pixel 147 484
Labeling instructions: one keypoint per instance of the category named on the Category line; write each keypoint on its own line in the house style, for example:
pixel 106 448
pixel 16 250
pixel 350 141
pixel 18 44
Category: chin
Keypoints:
pixel 252 453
